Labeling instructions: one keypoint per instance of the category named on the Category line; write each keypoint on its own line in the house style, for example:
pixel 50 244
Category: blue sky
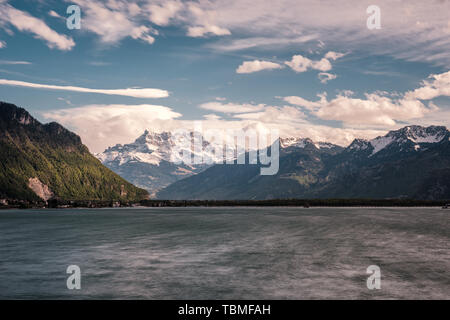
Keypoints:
pixel 228 63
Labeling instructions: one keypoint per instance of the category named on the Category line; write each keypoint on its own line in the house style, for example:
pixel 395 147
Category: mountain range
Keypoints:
pixel 46 161
pixel 41 162
pixel 413 162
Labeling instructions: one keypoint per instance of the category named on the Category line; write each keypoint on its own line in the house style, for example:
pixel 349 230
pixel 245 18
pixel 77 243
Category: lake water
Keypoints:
pixel 225 253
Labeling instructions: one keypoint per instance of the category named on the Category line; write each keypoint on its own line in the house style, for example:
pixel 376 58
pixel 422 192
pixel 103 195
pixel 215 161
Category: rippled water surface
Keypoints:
pixel 225 253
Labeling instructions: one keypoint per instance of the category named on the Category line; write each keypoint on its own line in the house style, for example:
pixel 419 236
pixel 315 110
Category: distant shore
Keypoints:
pixel 61 204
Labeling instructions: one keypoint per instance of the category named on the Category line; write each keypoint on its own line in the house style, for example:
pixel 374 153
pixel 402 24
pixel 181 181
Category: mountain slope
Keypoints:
pixel 405 167
pixel 411 162
pixel 301 164
pixel 40 162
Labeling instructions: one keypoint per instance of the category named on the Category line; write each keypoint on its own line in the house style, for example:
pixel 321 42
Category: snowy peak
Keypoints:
pixel 295 142
pixel 153 147
pixel 418 134
pixel 410 138
pixel 150 148
pixel 303 142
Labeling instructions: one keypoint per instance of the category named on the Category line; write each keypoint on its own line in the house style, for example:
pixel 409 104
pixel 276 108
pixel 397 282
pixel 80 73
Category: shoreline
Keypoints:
pixel 295 203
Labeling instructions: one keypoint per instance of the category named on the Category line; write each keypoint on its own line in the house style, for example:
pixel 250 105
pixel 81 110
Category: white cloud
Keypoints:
pixel 380 108
pixel 211 117
pixel 420 35
pixel 321 65
pixel 143 33
pixel 129 92
pixel 333 55
pixel 162 13
pixel 290 122
pixel 259 42
pixel 2 44
pixel 101 126
pixel 324 77
pixel 374 110
pixel 438 86
pixel 300 63
pixel 55 14
pixel 201 31
pixel 413 30
pixel 204 22
pixel 275 115
pixel 440 117
pixel 15 62
pixel 309 105
pixel 339 136
pixel 115 20
pixel 23 21
pixel 231 107
pixel 257 65
pixel 67 101
pixel 99 63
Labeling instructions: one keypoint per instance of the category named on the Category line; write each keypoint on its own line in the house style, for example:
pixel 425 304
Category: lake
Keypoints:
pixel 225 253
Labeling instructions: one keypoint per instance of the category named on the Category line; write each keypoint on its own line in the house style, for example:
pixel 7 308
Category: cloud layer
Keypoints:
pixel 413 30
pixel 377 109
pixel 231 107
pixel 113 21
pixel 23 21
pixel 439 85
pixel 101 126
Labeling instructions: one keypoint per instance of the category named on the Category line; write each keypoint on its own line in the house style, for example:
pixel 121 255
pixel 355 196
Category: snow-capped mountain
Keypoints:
pixel 293 142
pixel 296 142
pixel 148 148
pixel 147 161
pixel 410 138
pixel 153 147
pixel 407 139
pixel 151 162
pixel 411 162
pixel 154 160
